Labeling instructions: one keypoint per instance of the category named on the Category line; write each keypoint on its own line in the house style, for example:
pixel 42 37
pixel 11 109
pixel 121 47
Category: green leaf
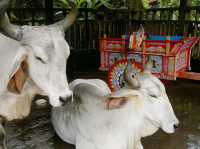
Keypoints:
pixel 95 4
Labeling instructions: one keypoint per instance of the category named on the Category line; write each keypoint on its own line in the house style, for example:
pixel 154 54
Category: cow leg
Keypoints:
pixel 2 135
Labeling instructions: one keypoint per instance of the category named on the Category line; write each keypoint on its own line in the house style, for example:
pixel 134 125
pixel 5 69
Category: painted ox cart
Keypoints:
pixel 170 56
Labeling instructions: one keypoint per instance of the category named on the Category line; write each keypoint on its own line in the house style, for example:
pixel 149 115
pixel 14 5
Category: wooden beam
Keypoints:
pixel 49 11
pixel 189 75
pixel 182 15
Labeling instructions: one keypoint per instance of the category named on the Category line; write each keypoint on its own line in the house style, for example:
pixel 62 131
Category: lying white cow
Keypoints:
pixel 33 63
pixel 101 119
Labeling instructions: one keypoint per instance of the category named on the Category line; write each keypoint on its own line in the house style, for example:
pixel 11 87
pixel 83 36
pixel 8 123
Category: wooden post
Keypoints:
pixel 49 11
pixel 86 30
pixel 182 14
pixel 168 44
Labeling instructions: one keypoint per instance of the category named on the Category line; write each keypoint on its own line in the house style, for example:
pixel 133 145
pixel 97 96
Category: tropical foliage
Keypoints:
pixel 98 3
pixel 27 3
pixel 171 3
pixel 195 2
pixel 95 4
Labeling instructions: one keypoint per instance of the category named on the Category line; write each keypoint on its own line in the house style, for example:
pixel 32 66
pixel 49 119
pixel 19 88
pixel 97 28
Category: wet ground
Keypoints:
pixel 36 132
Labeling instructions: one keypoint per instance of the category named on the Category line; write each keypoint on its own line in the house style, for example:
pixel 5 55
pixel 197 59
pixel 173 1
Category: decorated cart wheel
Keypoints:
pixel 115 74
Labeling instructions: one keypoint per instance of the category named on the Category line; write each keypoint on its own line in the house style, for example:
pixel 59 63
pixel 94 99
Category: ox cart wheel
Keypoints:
pixel 115 74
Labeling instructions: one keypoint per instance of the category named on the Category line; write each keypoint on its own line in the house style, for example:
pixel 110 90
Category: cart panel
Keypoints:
pixel 169 54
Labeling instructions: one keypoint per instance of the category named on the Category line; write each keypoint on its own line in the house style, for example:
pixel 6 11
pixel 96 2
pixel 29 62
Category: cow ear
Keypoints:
pixel 18 79
pixel 115 102
pixel 120 98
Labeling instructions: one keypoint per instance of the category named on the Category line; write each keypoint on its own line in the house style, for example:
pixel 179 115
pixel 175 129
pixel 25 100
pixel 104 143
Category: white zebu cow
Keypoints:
pixel 101 119
pixel 33 63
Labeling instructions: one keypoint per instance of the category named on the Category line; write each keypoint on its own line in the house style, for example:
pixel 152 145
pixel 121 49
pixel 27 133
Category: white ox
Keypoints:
pixel 32 60
pixel 101 119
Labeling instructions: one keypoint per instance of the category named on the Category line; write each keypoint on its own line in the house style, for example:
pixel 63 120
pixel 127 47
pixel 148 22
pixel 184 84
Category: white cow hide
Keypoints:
pixel 96 120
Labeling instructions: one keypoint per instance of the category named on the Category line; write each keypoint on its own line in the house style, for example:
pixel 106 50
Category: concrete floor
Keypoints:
pixel 36 131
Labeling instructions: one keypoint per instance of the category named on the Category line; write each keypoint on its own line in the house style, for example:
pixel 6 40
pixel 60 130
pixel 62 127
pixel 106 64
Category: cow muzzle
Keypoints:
pixel 65 100
pixel 61 100
pixel 176 125
pixel 171 127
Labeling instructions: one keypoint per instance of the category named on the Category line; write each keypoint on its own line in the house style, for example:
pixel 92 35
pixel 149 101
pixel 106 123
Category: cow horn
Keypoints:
pixel 11 30
pixel 148 67
pixel 3 6
pixel 130 81
pixel 68 20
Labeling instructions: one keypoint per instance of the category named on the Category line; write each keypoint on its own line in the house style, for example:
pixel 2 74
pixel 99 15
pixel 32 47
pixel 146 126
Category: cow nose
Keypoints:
pixel 175 126
pixel 65 100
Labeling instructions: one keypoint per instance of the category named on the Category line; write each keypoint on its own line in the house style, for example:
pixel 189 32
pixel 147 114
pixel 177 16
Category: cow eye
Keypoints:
pixel 153 95
pixel 40 59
